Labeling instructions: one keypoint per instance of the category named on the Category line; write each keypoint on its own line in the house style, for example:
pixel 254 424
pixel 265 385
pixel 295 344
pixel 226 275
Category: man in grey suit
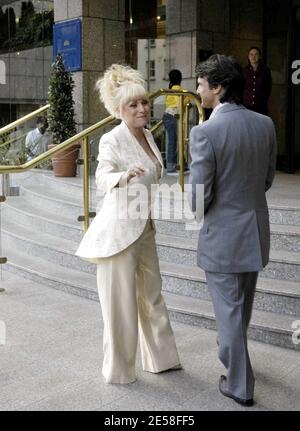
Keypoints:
pixel 234 156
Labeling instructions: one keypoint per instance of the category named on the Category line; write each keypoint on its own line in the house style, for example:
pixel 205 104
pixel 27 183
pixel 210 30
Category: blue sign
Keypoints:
pixel 67 41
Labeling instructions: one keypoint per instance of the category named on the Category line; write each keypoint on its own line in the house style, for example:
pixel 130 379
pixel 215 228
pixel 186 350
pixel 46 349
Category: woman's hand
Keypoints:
pixel 135 171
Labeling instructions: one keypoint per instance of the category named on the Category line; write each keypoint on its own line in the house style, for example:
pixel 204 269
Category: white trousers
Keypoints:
pixel 129 286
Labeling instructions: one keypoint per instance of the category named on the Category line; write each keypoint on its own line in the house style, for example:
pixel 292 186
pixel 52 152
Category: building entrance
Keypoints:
pixel 295 96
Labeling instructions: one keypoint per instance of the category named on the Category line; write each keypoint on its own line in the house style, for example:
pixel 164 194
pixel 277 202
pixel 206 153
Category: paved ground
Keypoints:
pixel 53 352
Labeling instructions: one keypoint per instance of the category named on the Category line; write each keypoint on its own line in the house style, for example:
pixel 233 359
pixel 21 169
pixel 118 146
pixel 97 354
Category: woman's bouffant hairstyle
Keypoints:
pixel 118 86
pixel 227 72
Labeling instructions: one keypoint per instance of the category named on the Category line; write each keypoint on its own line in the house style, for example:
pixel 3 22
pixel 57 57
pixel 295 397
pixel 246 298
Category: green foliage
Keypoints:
pixel 27 12
pixel 61 112
pixel 12 149
pixel 4 147
pixel 34 29
pixel 7 25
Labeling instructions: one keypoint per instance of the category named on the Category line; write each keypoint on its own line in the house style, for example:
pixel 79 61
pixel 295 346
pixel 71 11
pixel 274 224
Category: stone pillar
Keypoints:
pixel 103 43
pixel 182 24
pixel 222 26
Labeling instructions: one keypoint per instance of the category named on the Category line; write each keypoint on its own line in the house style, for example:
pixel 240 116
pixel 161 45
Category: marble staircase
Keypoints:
pixel 40 233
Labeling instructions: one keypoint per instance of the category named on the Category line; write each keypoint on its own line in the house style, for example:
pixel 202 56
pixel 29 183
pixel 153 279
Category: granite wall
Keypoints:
pixel 103 36
pixel 220 26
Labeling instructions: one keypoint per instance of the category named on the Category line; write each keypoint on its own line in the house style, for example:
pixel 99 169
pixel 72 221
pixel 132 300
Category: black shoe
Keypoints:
pixel 222 384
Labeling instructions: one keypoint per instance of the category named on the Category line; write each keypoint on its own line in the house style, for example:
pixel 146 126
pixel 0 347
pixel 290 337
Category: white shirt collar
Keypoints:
pixel 216 108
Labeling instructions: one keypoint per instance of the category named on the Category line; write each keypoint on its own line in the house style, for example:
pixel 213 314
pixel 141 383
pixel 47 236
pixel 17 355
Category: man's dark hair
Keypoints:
pixel 227 72
pixel 42 124
pixel 42 120
pixel 175 77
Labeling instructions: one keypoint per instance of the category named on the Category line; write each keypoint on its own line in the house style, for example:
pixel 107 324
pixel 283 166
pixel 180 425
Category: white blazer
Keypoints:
pixel 119 222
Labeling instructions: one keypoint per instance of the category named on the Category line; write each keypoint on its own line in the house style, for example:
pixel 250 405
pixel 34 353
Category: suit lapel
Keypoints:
pixel 153 146
pixel 150 140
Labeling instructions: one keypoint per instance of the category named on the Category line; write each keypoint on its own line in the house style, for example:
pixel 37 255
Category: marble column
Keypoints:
pixel 222 26
pixel 103 43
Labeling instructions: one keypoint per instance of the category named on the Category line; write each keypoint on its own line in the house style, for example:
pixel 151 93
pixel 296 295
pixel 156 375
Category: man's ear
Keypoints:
pixel 218 89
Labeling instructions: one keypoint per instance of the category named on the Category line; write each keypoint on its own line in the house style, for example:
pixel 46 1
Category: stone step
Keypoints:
pixel 72 185
pixel 273 295
pixel 50 274
pixel 267 327
pixel 18 209
pixel 278 296
pixel 282 211
pixel 51 200
pixel 71 203
pixel 45 245
pixel 283 265
pixel 283 237
pixel 70 190
pixel 284 215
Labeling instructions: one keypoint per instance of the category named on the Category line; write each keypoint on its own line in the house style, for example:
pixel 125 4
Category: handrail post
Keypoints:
pixel 5 184
pixel 86 179
pixel 181 143
pixel 187 131
pixel 3 259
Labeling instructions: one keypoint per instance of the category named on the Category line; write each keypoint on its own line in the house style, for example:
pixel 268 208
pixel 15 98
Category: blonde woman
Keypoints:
pixel 122 242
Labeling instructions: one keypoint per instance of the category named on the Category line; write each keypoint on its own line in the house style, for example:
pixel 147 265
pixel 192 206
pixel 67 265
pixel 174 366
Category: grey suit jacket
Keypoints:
pixel 234 156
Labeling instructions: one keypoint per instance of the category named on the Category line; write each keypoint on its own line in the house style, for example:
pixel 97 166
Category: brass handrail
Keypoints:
pixel 157 126
pixel 59 147
pixel 22 120
pixel 181 139
pixel 13 140
pixel 84 136
pixel 182 93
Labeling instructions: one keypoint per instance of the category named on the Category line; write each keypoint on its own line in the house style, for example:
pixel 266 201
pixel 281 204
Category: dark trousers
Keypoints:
pixel 170 123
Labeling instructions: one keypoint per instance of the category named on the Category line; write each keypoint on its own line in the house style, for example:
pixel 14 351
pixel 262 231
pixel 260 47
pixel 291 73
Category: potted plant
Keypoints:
pixel 61 122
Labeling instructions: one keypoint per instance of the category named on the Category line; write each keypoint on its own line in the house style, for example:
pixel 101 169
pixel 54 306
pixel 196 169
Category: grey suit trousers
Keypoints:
pixel 232 296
